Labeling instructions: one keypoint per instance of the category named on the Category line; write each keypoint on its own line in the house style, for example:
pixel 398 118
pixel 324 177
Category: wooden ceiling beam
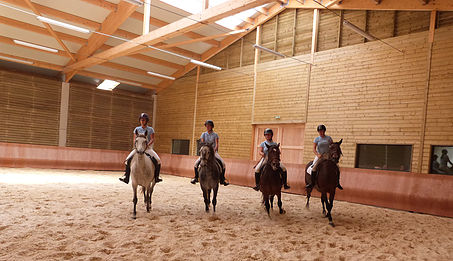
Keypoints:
pixel 169 31
pixel 69 75
pixel 50 30
pixel 153 21
pixel 403 5
pixel 78 40
pixel 165 46
pixel 273 11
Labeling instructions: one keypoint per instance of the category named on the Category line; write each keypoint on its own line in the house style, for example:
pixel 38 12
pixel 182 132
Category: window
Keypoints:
pixel 384 157
pixel 180 147
pixel 440 162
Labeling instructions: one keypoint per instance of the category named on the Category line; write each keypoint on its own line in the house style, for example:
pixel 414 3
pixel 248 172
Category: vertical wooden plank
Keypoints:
pixel 340 28
pixel 314 36
pixel 64 107
pixel 432 27
pixel 293 45
pixel 366 25
pixel 255 65
pixel 242 52
pixel 146 16
pixel 276 35
pixel 195 113
pixel 395 21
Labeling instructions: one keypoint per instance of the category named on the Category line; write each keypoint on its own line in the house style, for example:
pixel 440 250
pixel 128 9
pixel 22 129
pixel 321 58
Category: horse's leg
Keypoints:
pixel 308 190
pixel 134 187
pixel 329 207
pixel 279 197
pixel 214 198
pixel 266 203
pixel 324 200
pixel 144 196
pixel 148 199
pixel 206 200
pixel 272 201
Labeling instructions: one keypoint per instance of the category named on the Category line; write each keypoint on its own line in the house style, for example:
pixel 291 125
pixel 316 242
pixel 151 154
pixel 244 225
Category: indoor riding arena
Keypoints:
pixel 176 98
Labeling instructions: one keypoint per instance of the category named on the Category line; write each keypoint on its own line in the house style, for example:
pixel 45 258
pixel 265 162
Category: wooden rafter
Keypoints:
pixel 111 23
pixel 174 29
pixel 56 67
pixel 273 11
pixel 406 5
pixel 50 30
pixel 166 46
pixel 69 75
pixel 153 21
pixel 78 40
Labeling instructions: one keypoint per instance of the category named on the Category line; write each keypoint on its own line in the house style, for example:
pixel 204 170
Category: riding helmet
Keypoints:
pixel 209 122
pixel 268 131
pixel 321 127
pixel 144 116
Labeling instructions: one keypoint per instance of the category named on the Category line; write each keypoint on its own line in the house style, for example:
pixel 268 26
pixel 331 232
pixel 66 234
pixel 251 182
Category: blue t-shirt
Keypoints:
pixel 141 130
pixel 263 145
pixel 323 144
pixel 209 138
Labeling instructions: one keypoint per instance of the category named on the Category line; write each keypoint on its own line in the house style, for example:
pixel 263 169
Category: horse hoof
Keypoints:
pixel 134 217
pixel 282 211
pixel 307 206
pixel 332 224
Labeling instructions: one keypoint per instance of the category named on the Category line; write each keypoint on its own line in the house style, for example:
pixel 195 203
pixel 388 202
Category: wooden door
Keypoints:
pixel 290 137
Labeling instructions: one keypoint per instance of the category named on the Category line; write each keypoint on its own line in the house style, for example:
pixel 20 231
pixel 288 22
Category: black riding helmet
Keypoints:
pixel 145 116
pixel 321 127
pixel 268 131
pixel 209 122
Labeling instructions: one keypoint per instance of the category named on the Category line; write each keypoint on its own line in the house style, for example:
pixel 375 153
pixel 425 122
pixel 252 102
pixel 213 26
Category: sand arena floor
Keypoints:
pixel 86 215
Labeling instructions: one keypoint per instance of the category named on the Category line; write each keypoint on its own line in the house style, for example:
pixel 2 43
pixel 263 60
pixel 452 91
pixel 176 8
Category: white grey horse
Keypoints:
pixel 142 171
pixel 210 171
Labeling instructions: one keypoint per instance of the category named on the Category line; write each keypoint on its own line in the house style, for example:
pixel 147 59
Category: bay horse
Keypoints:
pixel 142 171
pixel 209 170
pixel 271 181
pixel 327 179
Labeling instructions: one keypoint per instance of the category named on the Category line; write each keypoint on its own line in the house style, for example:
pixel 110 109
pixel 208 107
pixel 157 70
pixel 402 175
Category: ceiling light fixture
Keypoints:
pixel 207 65
pixel 108 85
pixel 135 2
pixel 36 46
pixel 161 76
pixel 15 60
pixel 61 24
pixel 359 31
pixel 262 48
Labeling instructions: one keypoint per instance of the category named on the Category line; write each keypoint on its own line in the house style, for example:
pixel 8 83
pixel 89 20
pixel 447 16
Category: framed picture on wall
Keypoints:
pixel 441 160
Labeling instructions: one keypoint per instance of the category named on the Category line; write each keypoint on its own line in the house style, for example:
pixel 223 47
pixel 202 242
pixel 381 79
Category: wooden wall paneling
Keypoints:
pixel 268 39
pixel 445 18
pixel 285 32
pixel 411 22
pixel 303 32
pixel 350 37
pixel 381 23
pixel 328 30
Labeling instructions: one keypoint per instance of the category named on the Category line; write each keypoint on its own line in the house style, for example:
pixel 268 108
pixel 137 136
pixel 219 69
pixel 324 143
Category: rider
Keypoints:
pixel 321 150
pixel 268 134
pixel 210 137
pixel 143 119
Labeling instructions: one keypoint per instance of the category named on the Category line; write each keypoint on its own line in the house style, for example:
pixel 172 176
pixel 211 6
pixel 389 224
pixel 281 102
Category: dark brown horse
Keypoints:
pixel 271 182
pixel 327 179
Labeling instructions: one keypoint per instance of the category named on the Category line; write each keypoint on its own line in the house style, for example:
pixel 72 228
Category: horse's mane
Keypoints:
pixel 269 152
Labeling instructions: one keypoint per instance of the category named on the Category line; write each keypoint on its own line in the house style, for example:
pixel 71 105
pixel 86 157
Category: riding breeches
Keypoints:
pixel 261 164
pixel 316 162
pixel 150 151
pixel 217 156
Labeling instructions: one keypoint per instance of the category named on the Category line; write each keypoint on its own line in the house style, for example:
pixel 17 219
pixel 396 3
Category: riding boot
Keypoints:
pixel 285 180
pixel 127 172
pixel 257 181
pixel 222 178
pixel 312 183
pixel 156 174
pixel 195 179
pixel 156 170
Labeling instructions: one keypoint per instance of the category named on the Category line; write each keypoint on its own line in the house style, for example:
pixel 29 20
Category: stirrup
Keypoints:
pixel 309 185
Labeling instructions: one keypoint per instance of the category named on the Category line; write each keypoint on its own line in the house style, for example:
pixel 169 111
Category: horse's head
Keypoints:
pixel 335 151
pixel 206 151
pixel 141 142
pixel 273 156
